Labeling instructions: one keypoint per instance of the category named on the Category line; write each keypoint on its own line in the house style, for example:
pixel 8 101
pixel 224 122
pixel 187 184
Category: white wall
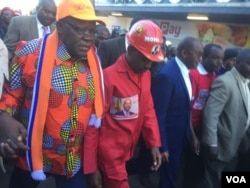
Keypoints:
pixel 123 22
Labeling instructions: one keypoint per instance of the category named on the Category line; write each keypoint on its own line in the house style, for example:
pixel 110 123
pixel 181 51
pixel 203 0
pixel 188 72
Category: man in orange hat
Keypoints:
pixel 129 80
pixel 53 102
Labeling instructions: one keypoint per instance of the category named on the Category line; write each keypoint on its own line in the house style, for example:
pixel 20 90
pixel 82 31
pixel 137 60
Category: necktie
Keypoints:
pixel 127 114
pixel 246 91
pixel 45 30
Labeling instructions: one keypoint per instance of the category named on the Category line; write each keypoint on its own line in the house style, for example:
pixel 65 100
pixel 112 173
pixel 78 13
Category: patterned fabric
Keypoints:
pixel 71 93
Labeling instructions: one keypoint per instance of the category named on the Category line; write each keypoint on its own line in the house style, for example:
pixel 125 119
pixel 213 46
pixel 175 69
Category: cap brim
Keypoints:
pixel 159 57
pixel 89 18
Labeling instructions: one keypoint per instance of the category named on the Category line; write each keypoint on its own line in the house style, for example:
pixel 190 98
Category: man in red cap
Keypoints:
pixel 53 102
pixel 129 79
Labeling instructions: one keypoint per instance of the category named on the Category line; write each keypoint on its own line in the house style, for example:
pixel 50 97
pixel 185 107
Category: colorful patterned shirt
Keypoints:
pixel 72 93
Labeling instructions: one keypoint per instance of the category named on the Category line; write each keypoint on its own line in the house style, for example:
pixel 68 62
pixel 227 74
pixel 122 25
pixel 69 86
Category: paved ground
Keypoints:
pixel 133 180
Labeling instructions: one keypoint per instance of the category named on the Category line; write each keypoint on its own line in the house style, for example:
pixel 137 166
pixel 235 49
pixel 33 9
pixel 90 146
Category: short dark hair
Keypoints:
pixel 230 53
pixel 208 48
pixel 136 19
pixel 243 56
pixel 186 43
pixel 100 28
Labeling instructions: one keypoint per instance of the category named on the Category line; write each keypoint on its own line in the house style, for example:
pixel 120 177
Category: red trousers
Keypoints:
pixel 114 174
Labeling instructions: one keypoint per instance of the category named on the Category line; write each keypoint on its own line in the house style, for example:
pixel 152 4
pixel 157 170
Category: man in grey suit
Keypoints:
pixel 226 118
pixel 30 27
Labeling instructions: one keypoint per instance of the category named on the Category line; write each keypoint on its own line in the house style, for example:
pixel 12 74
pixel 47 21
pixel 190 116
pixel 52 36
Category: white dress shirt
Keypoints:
pixel 244 82
pixel 185 74
pixel 40 28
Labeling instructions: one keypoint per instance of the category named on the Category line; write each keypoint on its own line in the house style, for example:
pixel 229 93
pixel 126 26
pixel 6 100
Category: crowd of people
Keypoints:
pixel 78 102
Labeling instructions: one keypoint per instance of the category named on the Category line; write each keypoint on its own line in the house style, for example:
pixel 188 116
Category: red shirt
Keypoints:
pixel 201 83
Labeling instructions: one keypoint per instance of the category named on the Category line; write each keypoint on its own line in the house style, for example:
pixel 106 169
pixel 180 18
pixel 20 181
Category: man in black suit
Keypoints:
pixel 110 50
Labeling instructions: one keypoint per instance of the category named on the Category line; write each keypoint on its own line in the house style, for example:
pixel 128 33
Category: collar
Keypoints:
pixel 201 69
pixel 122 66
pixel 39 25
pixel 242 78
pixel 126 43
pixel 62 53
pixel 182 66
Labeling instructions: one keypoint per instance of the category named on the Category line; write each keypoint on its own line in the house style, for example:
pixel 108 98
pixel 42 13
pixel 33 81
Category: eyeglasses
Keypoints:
pixel 80 31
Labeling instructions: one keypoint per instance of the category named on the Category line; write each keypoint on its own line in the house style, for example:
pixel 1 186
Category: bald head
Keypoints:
pixel 189 51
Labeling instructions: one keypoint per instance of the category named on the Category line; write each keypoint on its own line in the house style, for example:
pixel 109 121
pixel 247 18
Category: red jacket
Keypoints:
pixel 119 136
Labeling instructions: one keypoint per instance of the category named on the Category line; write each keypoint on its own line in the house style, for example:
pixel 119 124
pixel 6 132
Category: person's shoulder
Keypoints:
pixel 113 41
pixel 111 74
pixel 28 47
pixel 194 73
pixel 168 68
pixel 225 81
pixel 22 18
pixel 226 76
pixel 110 70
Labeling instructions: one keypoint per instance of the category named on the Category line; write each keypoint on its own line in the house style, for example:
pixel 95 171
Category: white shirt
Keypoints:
pixel 244 82
pixel 126 43
pixel 185 74
pixel 40 28
pixel 201 69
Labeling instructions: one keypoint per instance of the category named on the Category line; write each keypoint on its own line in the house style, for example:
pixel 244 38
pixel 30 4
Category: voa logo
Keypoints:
pixel 236 179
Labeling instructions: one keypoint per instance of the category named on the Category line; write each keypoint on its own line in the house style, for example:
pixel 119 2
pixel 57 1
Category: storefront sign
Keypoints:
pixel 226 35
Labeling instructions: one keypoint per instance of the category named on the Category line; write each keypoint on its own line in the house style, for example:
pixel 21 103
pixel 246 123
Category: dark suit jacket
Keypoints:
pixel 21 28
pixel 121 113
pixel 109 50
pixel 172 105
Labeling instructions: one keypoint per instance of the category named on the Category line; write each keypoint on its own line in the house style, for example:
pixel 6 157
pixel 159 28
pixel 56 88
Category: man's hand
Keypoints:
pixel 165 157
pixel 156 155
pixel 195 145
pixel 212 152
pixel 12 136
pixel 94 180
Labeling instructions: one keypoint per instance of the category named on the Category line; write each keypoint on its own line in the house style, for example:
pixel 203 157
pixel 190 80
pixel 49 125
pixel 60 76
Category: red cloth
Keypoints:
pixel 201 84
pixel 118 137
